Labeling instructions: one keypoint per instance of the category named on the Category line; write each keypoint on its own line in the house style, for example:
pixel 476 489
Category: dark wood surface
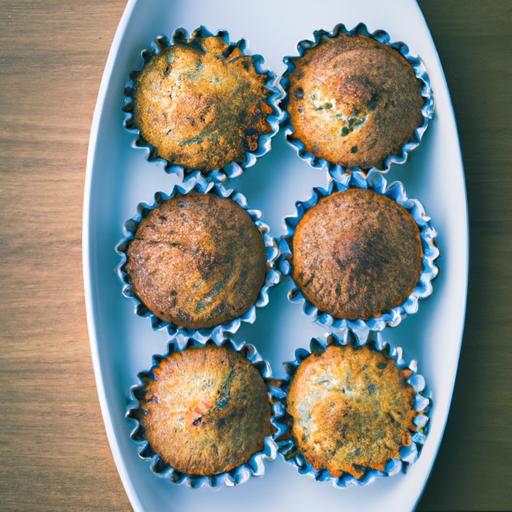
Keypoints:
pixel 54 450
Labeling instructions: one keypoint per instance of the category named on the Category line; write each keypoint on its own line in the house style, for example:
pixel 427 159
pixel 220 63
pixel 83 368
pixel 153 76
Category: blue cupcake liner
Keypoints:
pixel 377 182
pixel 197 182
pixel 253 467
pixel 233 169
pixel 382 37
pixel 422 403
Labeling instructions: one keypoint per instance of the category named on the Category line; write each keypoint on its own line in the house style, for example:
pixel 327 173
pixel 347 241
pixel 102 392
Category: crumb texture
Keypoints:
pixel 356 254
pixel 202 104
pixel 351 409
pixel 207 411
pixel 354 101
pixel 197 260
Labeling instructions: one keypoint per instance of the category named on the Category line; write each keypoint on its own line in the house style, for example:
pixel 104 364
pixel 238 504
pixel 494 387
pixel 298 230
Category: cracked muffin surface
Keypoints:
pixel 352 410
pixel 207 410
pixel 356 254
pixel 197 260
pixel 202 104
pixel 354 101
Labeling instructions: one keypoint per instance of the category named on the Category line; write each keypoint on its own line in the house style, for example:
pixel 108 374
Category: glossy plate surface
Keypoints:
pixel 119 177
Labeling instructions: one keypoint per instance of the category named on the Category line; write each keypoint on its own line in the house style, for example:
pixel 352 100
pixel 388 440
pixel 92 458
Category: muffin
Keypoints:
pixel 351 409
pixel 196 260
pixel 356 254
pixel 201 103
pixel 205 410
pixel 353 101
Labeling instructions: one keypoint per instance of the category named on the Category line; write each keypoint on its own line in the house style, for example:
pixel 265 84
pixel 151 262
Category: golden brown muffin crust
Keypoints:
pixel 202 104
pixel 352 409
pixel 197 260
pixel 354 101
pixel 356 254
pixel 208 410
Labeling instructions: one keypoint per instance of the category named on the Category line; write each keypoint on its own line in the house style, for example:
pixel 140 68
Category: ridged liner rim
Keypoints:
pixel 254 467
pixel 196 182
pixel 383 37
pixel 233 169
pixel 396 191
pixel 422 404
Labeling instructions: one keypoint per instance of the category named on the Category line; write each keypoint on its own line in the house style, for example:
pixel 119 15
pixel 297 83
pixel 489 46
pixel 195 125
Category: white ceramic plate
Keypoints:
pixel 118 177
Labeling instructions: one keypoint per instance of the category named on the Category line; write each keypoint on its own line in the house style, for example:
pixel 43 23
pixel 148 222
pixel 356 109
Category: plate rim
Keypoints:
pixel 454 127
pixel 119 460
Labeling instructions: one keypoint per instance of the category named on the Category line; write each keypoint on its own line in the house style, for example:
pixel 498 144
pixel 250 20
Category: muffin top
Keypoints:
pixel 207 411
pixel 352 409
pixel 197 260
pixel 354 101
pixel 202 104
pixel 356 254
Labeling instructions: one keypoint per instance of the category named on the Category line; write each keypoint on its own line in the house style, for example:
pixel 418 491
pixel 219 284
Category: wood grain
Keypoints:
pixel 474 469
pixel 54 450
pixel 53 445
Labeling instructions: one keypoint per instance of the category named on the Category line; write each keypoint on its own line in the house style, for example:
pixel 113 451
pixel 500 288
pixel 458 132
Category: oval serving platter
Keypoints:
pixel 119 177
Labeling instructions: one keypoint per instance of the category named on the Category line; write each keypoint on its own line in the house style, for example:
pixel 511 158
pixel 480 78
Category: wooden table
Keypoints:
pixel 53 445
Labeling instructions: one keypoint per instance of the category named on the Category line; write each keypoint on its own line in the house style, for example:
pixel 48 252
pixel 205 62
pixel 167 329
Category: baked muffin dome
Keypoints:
pixel 354 101
pixel 207 411
pixel 352 410
pixel 201 103
pixel 197 260
pixel 356 254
